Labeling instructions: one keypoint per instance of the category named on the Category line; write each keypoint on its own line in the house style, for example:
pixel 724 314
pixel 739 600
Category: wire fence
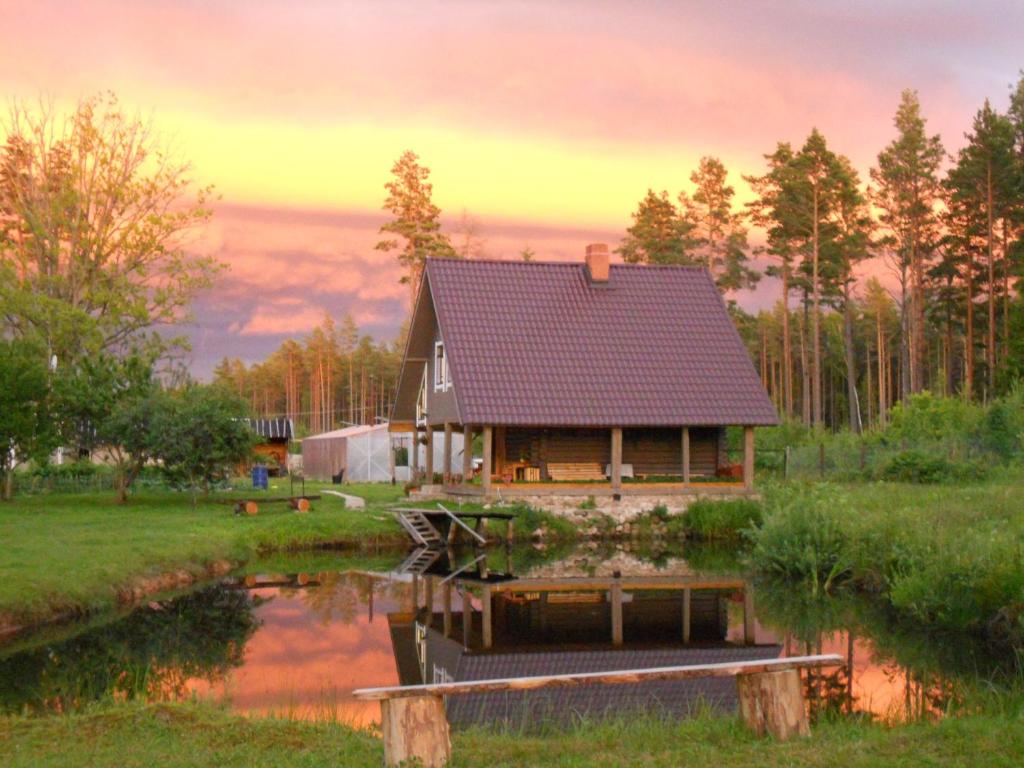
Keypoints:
pixel 866 459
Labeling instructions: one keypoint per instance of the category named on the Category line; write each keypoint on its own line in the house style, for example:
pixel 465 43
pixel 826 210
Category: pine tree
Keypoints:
pixel 720 237
pixel 659 235
pixel 906 191
pixel 979 188
pixel 417 220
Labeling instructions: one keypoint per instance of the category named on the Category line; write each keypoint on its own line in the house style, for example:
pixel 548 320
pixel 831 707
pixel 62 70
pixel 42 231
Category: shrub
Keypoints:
pixel 975 586
pixel 802 539
pixel 916 466
pixel 588 503
pixel 726 519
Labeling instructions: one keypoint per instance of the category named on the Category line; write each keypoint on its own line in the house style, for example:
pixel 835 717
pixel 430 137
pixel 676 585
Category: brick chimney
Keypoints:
pixel 597 262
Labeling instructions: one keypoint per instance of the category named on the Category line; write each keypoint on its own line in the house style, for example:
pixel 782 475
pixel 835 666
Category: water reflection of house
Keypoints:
pixel 520 627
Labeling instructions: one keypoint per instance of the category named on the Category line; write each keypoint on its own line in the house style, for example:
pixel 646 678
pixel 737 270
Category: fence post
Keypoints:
pixel 785 464
pixel 821 459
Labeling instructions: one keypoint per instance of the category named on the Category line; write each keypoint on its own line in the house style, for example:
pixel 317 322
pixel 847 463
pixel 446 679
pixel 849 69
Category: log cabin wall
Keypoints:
pixel 653 451
pixel 538 447
pixel 659 451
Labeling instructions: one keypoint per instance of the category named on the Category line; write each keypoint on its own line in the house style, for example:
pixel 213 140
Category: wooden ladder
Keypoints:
pixel 418 526
pixel 420 560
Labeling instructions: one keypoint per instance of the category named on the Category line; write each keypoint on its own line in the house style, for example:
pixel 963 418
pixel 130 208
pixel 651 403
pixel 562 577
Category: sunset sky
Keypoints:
pixel 546 121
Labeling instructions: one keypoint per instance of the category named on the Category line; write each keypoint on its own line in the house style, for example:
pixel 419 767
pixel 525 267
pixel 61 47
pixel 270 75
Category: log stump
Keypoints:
pixel 300 505
pixel 415 728
pixel 773 703
pixel 251 508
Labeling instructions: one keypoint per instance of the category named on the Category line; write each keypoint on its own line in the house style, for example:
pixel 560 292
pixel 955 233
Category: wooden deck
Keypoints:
pixel 725 488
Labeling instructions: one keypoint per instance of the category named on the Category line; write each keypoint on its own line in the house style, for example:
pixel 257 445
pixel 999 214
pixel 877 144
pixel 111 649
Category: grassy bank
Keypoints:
pixel 128 735
pixel 944 558
pixel 81 552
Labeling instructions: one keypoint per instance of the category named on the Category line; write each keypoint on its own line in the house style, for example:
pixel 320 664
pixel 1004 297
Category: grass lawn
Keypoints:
pixel 74 551
pixel 128 735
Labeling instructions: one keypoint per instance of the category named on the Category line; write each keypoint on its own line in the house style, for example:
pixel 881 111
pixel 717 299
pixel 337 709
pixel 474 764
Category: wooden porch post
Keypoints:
pixel 414 455
pixel 748 458
pixel 429 469
pixel 467 454
pixel 749 635
pixel 686 455
pixel 446 472
pixel 485 476
pixel 617 459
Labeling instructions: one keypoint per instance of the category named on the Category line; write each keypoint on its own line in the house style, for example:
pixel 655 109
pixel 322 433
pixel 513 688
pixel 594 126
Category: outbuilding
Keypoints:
pixel 365 453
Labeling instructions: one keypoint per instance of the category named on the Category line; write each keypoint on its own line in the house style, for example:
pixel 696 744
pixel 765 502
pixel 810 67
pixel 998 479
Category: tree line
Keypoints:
pixel 336 376
pixel 837 349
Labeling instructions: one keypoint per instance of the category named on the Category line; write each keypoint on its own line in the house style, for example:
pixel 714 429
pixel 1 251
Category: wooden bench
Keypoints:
pixel 575 470
pixel 414 724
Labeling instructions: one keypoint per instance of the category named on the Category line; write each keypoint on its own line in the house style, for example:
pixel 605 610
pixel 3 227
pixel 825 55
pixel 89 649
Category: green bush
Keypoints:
pixel 721 519
pixel 802 538
pixel 916 466
pixel 976 587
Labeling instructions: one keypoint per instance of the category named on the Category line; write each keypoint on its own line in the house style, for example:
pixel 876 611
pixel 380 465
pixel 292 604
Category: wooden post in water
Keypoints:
pixel 686 615
pixel 485 616
pixel 446 592
pixel 415 728
pixel 616 595
pixel 773 703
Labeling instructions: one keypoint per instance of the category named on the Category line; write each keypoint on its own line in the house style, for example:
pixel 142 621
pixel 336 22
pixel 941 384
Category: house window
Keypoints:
pixel 441 380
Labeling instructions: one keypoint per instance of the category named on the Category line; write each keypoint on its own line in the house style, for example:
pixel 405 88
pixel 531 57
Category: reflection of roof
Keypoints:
pixel 673 697
pixel 272 429
pixel 540 344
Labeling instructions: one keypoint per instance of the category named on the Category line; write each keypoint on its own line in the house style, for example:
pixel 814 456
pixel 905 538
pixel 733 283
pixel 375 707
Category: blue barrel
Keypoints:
pixel 260 477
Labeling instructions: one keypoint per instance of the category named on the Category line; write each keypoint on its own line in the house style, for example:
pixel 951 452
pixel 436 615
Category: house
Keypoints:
pixel 366 453
pixel 272 438
pixel 581 378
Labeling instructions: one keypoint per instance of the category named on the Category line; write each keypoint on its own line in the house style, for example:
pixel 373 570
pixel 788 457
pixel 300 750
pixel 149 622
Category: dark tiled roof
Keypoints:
pixel 272 429
pixel 538 344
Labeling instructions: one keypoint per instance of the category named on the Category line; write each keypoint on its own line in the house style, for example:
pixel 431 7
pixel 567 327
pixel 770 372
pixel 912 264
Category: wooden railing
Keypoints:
pixel 415 727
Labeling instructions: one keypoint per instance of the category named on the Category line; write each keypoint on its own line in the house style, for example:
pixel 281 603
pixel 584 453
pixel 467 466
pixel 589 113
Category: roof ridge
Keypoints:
pixel 554 263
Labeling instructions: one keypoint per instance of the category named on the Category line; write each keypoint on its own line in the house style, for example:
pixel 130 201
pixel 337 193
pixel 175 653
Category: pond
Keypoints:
pixel 294 636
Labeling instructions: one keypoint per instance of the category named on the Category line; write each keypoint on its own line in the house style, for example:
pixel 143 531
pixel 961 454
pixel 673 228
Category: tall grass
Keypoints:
pixel 943 560
pixel 710 519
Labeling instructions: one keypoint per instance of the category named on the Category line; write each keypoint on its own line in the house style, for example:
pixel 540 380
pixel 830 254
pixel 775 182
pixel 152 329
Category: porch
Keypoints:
pixel 616 462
